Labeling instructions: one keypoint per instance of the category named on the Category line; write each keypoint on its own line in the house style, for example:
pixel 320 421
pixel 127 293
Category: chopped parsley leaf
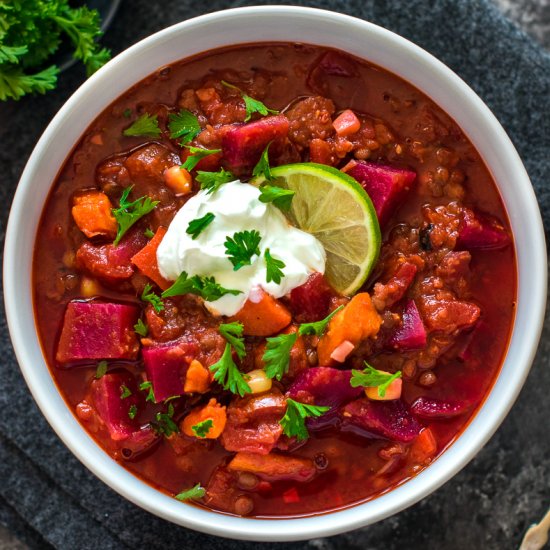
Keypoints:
pixel 241 247
pixel 373 378
pixel 277 354
pixel 127 113
pixel 197 154
pixel 212 181
pixel 184 125
pixel 128 213
pixel 281 198
pixel 149 233
pixel 227 374
pixel 125 391
pixel 146 125
pixel 198 225
pixel 205 287
pixel 194 493
pixel 251 105
pixel 293 422
pixel 164 424
pixel 132 411
pixel 141 328
pixel 274 268
pixel 148 387
pixel 318 327
pixel 149 296
pixel 233 333
pixel 263 168
pixel 203 428
pixel 101 370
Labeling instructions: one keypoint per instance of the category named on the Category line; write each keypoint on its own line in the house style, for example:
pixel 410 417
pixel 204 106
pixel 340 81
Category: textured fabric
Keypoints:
pixel 50 500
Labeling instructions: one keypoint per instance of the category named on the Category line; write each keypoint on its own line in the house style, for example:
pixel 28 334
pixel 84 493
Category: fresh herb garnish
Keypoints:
pixel 148 387
pixel 149 296
pixel 262 168
pixel 228 375
pixel 293 422
pixel 101 370
pixel 205 287
pixel 212 181
pixel 132 411
pixel 198 225
pixel 32 31
pixel 125 391
pixel 202 428
pixel 241 247
pixel 274 268
pixel 233 333
pixel 251 105
pixel 149 233
pixel 194 493
pixel 197 154
pixel 281 198
pixel 183 125
pixel 318 327
pixel 373 378
pixel 146 125
pixel 164 424
pixel 277 354
pixel 141 328
pixel 128 213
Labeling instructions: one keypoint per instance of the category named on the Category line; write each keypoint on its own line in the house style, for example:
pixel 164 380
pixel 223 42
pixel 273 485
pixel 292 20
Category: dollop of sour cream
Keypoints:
pixel 236 207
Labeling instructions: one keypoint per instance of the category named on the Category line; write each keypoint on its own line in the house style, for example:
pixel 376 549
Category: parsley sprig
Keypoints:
pixel 141 328
pixel 205 287
pixel 251 105
pixel 101 369
pixel 197 154
pixel 198 225
pixel 146 125
pixel 294 420
pixel 184 125
pixel 148 387
pixel 262 168
pixel 226 372
pixel 149 296
pixel 202 429
pixel 274 268
pixel 212 181
pixel 241 247
pixel 373 378
pixel 128 213
pixel 281 198
pixel 318 327
pixel 125 391
pixel 194 493
pixel 164 423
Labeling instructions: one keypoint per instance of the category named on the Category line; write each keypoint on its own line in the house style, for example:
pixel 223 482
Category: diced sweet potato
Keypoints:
pixel 146 260
pixel 356 322
pixel 98 330
pixel 263 318
pixel 385 185
pixel 92 213
pixel 310 302
pixel 388 419
pixel 274 467
pixel 197 379
pixel 166 366
pixel 479 231
pixel 211 411
pixel 411 334
pixel 423 448
pixel 243 145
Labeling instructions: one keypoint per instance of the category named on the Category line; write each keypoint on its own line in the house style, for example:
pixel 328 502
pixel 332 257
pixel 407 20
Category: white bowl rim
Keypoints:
pixel 524 218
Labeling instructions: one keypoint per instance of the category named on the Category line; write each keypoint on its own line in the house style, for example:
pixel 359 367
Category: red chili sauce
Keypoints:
pixel 444 287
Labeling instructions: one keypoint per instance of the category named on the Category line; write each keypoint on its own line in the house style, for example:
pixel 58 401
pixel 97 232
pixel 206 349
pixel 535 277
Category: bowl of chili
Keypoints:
pixel 328 442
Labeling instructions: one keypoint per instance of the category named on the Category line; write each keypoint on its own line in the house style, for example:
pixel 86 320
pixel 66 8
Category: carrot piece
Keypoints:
pixel 212 411
pixel 197 378
pixel 346 123
pixel 146 260
pixel 392 392
pixel 92 213
pixel 357 321
pixel 263 318
pixel 273 466
pixel 178 179
pixel 423 448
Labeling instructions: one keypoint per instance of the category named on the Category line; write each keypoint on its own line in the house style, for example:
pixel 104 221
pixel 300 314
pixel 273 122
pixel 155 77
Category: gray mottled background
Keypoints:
pixel 47 499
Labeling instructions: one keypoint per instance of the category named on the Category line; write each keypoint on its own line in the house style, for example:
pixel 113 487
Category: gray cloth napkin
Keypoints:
pixel 49 499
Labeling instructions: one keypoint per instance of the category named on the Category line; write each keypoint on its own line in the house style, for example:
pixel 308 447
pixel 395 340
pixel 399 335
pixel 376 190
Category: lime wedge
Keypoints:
pixel 334 208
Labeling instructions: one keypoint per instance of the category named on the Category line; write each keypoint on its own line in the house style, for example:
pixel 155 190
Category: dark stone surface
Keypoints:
pixel 49 499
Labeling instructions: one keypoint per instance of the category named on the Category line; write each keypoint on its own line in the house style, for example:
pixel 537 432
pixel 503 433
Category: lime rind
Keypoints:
pixel 334 208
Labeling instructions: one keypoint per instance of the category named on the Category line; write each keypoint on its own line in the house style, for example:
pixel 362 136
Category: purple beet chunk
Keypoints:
pixel 385 185
pixel 166 366
pixel 480 231
pixel 387 419
pixel 411 334
pixel 428 407
pixel 243 146
pixel 98 330
pixel 128 247
pixel 107 401
pixel 328 387
pixel 139 442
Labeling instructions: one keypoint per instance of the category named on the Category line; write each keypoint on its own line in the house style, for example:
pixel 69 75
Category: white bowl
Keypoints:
pixel 258 24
